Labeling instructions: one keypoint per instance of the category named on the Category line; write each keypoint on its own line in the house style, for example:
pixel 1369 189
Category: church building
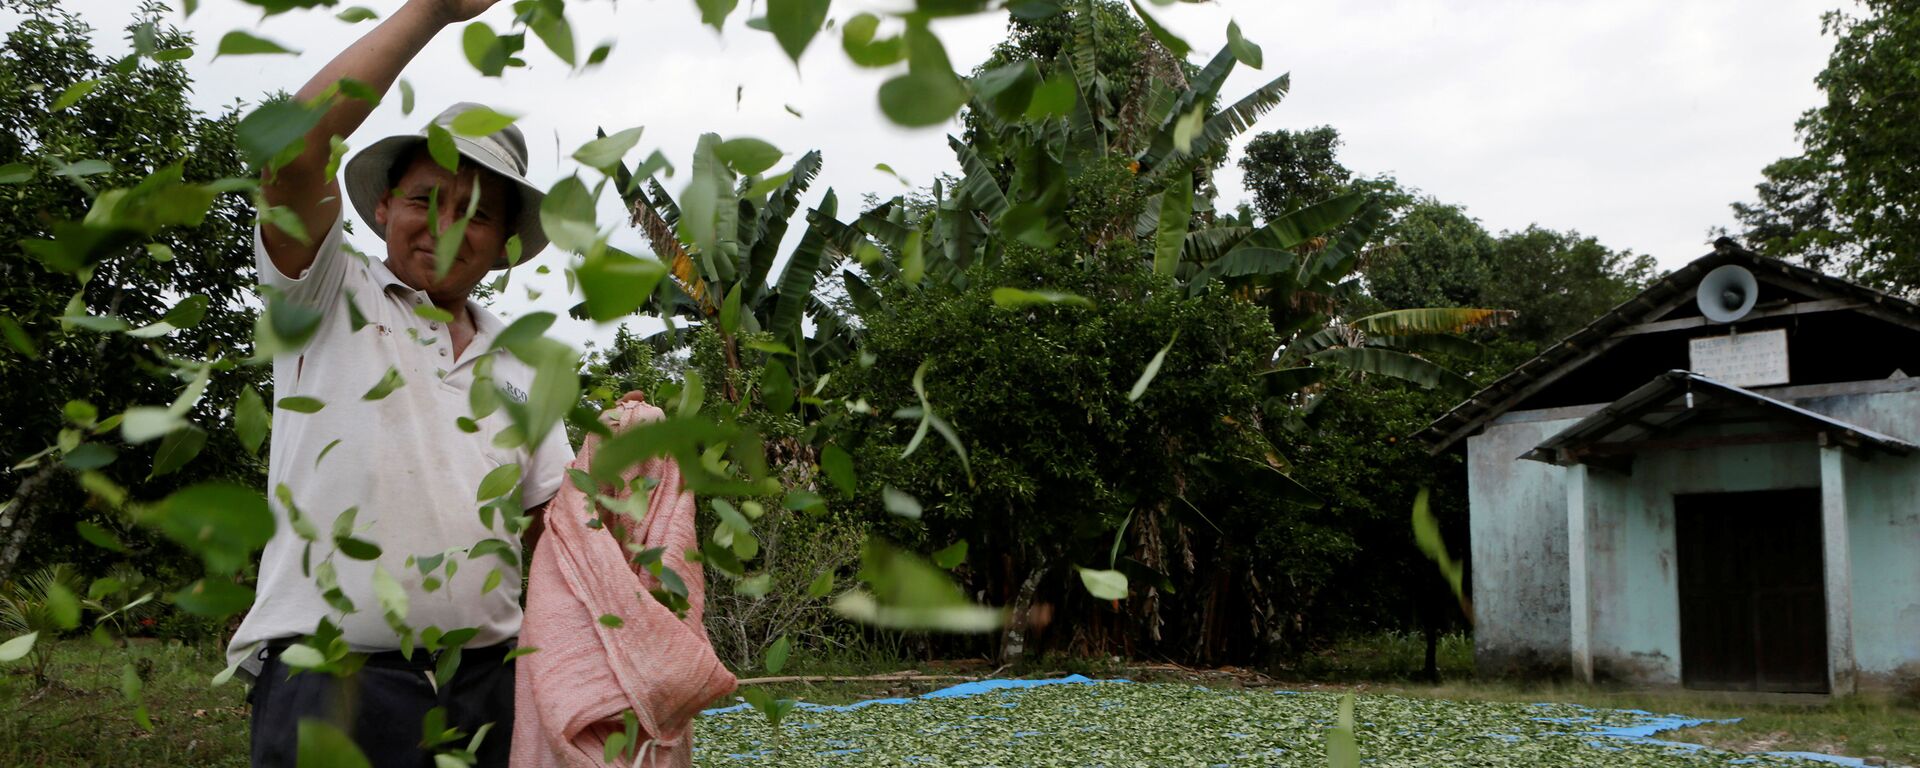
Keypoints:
pixel 1714 485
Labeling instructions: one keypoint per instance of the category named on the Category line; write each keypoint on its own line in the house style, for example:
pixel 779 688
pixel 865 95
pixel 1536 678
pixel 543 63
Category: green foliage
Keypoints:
pixel 43 605
pixel 1430 253
pixel 1287 169
pixel 139 116
pixel 1436 256
pixel 1389 656
pixel 1039 395
pixel 796 549
pixel 727 279
pixel 1112 404
pixel 1554 282
pixel 1847 201
pixel 1558 282
pixel 1352 564
pixel 627 365
pixel 1117 37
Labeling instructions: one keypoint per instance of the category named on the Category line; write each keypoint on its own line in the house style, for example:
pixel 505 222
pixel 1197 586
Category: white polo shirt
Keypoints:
pixel 400 460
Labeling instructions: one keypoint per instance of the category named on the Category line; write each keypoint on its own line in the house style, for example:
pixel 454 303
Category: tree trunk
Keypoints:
pixel 16 517
pixel 1013 643
pixel 1432 670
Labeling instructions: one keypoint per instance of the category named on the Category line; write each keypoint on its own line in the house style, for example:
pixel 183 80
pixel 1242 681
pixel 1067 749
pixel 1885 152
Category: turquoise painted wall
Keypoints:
pixel 1883 499
pixel 1636 593
pixel 1519 542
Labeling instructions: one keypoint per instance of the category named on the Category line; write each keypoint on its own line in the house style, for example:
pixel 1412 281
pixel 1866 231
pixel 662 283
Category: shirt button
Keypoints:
pixel 443 353
pixel 433 326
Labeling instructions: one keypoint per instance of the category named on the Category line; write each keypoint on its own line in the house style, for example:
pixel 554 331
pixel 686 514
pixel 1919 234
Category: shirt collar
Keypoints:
pixel 485 326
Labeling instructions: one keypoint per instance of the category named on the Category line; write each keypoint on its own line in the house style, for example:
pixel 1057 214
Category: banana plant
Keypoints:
pixel 727 285
pixel 1032 125
pixel 1303 268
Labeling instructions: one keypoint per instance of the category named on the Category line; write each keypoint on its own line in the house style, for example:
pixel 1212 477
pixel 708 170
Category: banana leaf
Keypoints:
pixel 1342 254
pixel 772 222
pixel 1085 55
pixel 1323 339
pixel 650 216
pixel 890 233
pixel 865 299
pixel 797 281
pixel 1430 343
pixel 1304 224
pixel 1208 245
pixel 1230 122
pixel 1286 381
pixel 1430 320
pixel 1201 91
pixel 978 188
pixel 1399 365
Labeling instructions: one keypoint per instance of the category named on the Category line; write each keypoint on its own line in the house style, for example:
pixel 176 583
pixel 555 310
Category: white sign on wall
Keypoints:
pixel 1743 360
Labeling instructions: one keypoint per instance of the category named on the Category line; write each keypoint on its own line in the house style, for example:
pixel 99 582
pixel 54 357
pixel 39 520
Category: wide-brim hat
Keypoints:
pixel 503 152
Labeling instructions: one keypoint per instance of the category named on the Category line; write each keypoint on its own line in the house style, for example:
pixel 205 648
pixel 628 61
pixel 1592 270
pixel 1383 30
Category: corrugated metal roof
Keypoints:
pixel 1646 412
pixel 1500 396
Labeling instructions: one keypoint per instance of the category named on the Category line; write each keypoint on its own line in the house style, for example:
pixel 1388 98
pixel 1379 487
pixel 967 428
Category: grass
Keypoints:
pixel 84 719
pixel 1380 657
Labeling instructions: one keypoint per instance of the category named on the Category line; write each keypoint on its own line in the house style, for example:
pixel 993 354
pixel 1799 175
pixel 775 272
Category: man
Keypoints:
pixel 396 444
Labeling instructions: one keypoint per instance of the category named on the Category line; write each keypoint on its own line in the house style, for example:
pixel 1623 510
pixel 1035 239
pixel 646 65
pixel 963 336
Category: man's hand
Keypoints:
pixel 375 60
pixel 452 11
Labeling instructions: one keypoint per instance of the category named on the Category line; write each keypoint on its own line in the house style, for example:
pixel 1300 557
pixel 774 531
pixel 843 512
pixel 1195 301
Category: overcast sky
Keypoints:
pixel 1636 121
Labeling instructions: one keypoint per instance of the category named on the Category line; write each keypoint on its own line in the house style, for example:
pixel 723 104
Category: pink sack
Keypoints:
pixel 571 694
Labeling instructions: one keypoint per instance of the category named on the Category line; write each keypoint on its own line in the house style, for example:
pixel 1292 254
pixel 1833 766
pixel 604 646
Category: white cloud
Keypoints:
pixel 1637 121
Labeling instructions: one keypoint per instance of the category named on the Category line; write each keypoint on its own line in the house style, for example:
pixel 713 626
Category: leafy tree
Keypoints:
pixel 1432 255
pixel 1057 457
pixel 1558 282
pixel 1850 201
pixel 1360 575
pixel 629 364
pixel 1121 42
pixel 1026 285
pixel 1427 254
pixel 1553 282
pixel 62 375
pixel 1348 441
pixel 1287 169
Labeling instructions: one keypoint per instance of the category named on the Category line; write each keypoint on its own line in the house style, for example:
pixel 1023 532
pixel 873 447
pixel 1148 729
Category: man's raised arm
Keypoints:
pixel 375 60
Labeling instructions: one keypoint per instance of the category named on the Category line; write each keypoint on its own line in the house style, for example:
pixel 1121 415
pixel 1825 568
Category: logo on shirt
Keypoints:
pixel 514 392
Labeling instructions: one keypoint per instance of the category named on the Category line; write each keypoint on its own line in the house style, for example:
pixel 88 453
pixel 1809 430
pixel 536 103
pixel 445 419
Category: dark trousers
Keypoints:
pixel 383 705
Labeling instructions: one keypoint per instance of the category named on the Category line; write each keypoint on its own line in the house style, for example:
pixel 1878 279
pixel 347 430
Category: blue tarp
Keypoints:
pixel 1652 725
pixel 974 688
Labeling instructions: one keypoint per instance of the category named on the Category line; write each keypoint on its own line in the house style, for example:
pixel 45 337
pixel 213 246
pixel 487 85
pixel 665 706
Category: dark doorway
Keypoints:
pixel 1753 608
